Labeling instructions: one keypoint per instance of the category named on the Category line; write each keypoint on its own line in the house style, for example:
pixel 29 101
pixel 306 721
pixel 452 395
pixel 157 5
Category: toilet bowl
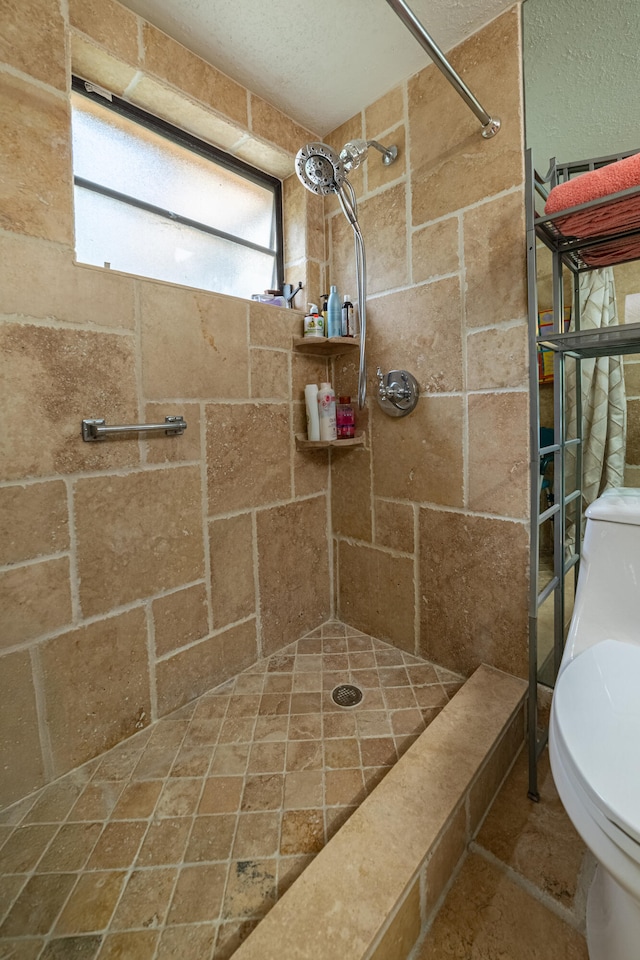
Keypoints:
pixel 594 731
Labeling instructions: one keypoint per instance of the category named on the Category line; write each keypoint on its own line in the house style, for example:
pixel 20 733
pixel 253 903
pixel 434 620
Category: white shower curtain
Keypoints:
pixel 604 405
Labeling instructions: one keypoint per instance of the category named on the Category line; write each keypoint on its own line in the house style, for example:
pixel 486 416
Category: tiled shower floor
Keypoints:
pixel 176 842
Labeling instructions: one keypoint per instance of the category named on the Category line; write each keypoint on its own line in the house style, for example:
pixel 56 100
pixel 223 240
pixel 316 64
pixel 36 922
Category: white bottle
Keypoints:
pixel 327 412
pixel 313 420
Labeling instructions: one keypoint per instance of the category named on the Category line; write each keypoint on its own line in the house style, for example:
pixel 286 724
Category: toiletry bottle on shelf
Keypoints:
pixel 347 316
pixel 313 323
pixel 324 310
pixel 327 412
pixel 355 321
pixel 345 419
pixel 313 420
pixel 334 314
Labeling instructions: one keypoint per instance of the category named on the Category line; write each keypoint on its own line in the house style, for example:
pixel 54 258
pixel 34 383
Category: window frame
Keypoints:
pixel 203 149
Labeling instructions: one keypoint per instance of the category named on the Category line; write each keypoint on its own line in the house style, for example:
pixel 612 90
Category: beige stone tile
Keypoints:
pixel 24 949
pixel 303 566
pixel 262 792
pixel 20 753
pixel 274 326
pixel 132 945
pixel 304 755
pixel 487 915
pixel 91 903
pixel 71 848
pixel 112 25
pixel 35 599
pixel 435 250
pixel 306 369
pixel 303 788
pixel 56 800
pixel 351 493
pixel 420 457
pixel 95 686
pixel 378 595
pixel 238 437
pixel 257 835
pixel 179 798
pixel 230 758
pixel 537 840
pixel 188 114
pixel 294 204
pixel 188 942
pixel 394 525
pixel 25 846
pixel 170 61
pixel 33 521
pixel 351 129
pixel 385 112
pixel 378 173
pixel 96 801
pixel 36 138
pixel 211 838
pixel 633 428
pixel 452 165
pixel 160 448
pixel 497 358
pixel 344 787
pixel 632 376
pixel 232 581
pixel 137 800
pixel 191 672
pixel 52 379
pixel 33 40
pixel 38 905
pixel 450 848
pixel 95 63
pixel 427 341
pixel 118 845
pixel 498 453
pixel 341 753
pixel 269 374
pixel 251 888
pixel 316 239
pixel 494 253
pixel 221 795
pixel 180 618
pixel 383 222
pixel 302 832
pixel 270 124
pixel 404 929
pixel 471 567
pixel 137 550
pixel 208 348
pixel 494 769
pixel 165 842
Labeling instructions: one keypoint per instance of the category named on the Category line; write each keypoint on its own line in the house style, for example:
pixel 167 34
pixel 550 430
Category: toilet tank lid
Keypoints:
pixel 617 505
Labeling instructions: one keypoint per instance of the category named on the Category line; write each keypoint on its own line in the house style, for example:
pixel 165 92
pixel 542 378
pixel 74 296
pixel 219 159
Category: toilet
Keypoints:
pixel 594 731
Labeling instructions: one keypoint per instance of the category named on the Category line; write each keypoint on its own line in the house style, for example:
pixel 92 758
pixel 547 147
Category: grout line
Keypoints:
pixel 204 495
pixel 44 733
pixel 256 583
pixel 151 652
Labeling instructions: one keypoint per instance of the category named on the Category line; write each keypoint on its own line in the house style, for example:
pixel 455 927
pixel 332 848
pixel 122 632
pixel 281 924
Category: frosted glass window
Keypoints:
pixel 149 205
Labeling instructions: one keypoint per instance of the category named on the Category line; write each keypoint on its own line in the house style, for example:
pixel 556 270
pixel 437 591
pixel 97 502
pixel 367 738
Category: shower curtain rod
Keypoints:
pixel 490 125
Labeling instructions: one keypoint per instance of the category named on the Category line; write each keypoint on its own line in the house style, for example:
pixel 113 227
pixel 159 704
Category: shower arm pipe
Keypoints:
pixel 490 125
pixel 347 198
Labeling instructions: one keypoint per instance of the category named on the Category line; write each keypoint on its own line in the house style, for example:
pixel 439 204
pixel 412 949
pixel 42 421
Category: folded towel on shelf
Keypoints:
pixel 608 218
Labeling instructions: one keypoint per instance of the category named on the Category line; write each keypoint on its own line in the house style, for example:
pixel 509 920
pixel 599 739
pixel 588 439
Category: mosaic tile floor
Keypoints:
pixel 176 842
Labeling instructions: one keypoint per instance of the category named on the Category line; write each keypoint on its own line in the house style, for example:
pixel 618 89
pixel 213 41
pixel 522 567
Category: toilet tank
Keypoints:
pixel 607 603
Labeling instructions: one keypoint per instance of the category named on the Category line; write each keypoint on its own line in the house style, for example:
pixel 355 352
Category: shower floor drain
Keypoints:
pixel 346 695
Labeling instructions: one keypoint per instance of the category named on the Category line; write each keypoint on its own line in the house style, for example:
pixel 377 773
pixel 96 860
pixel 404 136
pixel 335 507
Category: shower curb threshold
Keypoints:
pixel 374 888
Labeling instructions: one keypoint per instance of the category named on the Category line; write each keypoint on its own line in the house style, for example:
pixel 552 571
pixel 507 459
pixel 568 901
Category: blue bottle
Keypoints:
pixel 334 314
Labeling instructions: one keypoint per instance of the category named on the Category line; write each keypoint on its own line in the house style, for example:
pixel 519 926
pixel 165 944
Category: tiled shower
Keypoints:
pixel 135 575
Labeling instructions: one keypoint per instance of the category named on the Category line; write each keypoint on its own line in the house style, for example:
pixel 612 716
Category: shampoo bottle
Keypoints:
pixel 334 314
pixel 313 421
pixel 347 317
pixel 324 310
pixel 327 412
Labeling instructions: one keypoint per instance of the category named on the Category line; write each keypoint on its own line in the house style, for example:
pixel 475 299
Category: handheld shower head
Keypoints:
pixel 320 168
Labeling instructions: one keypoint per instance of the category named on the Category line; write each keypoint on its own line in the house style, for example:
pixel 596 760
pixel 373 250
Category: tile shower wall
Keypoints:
pixel 137 573
pixel 431 535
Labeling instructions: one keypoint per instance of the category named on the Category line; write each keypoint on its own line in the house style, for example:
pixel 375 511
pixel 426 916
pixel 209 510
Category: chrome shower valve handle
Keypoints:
pixel 398 392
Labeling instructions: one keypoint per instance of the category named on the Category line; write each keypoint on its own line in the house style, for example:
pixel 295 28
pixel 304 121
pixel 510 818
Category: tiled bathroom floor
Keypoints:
pixel 521 892
pixel 176 842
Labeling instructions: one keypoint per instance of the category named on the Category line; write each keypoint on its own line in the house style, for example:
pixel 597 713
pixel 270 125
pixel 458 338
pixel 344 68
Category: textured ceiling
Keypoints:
pixel 318 62
pixel 582 96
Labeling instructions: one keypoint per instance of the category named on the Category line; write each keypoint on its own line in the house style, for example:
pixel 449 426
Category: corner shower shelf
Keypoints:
pixel 303 444
pixel 325 346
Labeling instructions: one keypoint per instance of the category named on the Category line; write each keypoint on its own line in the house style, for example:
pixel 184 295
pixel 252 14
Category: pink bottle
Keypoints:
pixel 345 419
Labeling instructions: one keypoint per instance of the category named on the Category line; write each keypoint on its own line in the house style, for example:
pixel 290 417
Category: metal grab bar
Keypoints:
pixel 98 430
pixel 490 125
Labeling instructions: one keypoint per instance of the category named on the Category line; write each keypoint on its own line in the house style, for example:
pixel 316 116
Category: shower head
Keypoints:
pixel 320 168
